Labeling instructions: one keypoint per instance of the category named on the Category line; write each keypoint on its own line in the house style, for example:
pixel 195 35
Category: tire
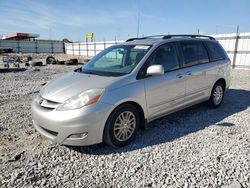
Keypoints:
pixel 75 61
pixel 29 58
pixel 60 62
pixel 68 62
pixel 114 124
pixel 53 62
pixel 217 95
pixel 6 65
pixel 36 63
pixel 50 60
pixel 71 62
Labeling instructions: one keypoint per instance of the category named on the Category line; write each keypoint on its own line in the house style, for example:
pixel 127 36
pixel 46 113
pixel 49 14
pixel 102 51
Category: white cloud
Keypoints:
pixel 27 14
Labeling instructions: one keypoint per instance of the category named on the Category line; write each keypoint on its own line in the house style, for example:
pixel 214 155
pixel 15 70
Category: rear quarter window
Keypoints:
pixel 215 51
pixel 194 52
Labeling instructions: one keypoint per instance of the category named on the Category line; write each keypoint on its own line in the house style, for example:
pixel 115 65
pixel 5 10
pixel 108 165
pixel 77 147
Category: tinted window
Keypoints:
pixel 215 51
pixel 194 53
pixel 166 56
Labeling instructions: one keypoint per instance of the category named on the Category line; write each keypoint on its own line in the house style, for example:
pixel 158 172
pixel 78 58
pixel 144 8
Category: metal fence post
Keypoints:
pixel 79 48
pixel 64 47
pixel 236 46
pixel 18 46
pixel 36 46
pixel 95 46
pixel 52 49
pixel 87 46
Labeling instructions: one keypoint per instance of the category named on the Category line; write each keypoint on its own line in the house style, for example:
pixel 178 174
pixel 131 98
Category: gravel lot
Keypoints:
pixel 196 147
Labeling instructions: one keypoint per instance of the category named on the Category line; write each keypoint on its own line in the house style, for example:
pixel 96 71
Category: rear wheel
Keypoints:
pixel 36 63
pixel 121 126
pixel 50 60
pixel 217 95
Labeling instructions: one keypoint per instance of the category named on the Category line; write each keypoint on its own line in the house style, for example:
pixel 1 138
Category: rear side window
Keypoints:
pixel 215 51
pixel 194 53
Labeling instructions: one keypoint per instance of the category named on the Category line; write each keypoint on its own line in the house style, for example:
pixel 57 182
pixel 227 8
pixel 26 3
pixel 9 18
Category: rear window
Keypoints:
pixel 194 53
pixel 215 51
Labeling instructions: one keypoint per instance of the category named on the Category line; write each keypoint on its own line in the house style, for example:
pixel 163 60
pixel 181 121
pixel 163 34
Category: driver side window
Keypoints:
pixel 114 59
pixel 166 56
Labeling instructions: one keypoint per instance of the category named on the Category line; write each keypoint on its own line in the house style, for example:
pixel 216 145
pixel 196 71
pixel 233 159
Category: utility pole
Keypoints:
pixel 138 24
pixel 138 20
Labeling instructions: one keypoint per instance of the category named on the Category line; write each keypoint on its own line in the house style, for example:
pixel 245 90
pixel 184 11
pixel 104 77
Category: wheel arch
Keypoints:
pixel 223 81
pixel 143 119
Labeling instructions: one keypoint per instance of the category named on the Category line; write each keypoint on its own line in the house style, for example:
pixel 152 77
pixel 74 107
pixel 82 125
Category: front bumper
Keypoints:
pixel 59 126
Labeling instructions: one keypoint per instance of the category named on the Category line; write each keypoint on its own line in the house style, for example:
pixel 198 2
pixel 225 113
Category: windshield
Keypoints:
pixel 116 60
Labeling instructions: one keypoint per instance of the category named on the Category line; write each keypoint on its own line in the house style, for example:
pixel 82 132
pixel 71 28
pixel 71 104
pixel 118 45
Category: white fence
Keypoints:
pixel 40 46
pixel 237 47
pixel 89 49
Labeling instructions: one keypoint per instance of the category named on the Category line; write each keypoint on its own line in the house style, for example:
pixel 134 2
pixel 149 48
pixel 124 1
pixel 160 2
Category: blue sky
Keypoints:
pixel 110 18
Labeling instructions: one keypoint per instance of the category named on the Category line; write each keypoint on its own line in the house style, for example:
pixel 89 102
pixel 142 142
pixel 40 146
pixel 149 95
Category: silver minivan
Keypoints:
pixel 128 85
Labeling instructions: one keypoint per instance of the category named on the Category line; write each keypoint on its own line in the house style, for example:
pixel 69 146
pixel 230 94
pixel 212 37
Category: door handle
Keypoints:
pixel 189 73
pixel 179 75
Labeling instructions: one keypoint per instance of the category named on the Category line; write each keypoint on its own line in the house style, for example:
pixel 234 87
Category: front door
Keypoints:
pixel 164 92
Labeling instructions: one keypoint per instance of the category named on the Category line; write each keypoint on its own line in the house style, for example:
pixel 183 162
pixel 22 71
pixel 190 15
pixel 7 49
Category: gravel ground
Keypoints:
pixel 196 147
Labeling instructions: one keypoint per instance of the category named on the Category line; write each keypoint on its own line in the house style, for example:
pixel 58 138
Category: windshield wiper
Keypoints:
pixel 107 74
pixel 95 73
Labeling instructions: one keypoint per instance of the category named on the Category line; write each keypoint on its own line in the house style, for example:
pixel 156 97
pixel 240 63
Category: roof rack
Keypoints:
pixel 191 36
pixel 147 37
pixel 171 36
pixel 131 39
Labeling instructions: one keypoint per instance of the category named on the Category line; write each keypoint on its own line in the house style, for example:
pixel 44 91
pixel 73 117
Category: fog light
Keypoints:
pixel 77 136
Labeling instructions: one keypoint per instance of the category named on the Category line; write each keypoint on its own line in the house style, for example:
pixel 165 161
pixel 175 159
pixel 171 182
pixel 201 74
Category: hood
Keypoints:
pixel 73 83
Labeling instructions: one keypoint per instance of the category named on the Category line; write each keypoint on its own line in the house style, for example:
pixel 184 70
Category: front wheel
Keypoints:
pixel 121 126
pixel 217 95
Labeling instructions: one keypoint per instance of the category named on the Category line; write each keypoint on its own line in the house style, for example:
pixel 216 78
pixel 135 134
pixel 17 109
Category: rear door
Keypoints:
pixel 164 92
pixel 218 58
pixel 198 70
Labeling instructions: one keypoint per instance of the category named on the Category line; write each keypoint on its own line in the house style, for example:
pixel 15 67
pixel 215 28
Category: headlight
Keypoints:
pixel 83 99
pixel 38 98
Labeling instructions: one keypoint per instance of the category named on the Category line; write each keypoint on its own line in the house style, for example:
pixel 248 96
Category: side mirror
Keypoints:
pixel 155 70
